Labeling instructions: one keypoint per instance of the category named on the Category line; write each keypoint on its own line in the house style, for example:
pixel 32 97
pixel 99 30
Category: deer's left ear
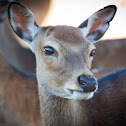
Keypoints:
pixel 97 24
pixel 22 22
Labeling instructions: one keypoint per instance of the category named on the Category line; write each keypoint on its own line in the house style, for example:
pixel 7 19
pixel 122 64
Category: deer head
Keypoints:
pixel 64 54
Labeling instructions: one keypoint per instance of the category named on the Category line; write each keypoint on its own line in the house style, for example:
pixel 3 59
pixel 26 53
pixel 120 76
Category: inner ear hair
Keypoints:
pixel 22 21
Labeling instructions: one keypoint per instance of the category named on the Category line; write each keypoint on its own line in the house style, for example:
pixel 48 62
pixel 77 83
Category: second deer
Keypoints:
pixel 64 57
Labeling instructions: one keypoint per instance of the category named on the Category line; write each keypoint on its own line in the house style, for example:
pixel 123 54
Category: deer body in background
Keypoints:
pixel 16 106
pixel 64 56
pixel 110 54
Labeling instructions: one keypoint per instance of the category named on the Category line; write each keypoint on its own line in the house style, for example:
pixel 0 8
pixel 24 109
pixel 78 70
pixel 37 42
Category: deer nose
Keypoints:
pixel 88 84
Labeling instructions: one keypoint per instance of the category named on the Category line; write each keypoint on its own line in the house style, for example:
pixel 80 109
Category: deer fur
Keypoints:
pixel 115 50
pixel 57 74
pixel 19 102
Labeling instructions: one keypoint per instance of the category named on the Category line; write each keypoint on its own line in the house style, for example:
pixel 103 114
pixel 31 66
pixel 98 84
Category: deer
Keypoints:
pixel 68 90
pixel 18 101
pixel 115 48
pixel 16 106
pixel 22 59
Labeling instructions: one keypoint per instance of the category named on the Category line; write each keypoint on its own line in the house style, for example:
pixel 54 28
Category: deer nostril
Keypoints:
pixel 82 82
pixel 88 84
pixel 86 80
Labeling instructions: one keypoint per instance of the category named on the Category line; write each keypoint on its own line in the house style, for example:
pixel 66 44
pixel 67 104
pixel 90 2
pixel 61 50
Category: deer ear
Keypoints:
pixel 97 24
pixel 22 22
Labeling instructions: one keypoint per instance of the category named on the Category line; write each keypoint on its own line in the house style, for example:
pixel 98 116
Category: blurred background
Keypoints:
pixel 18 89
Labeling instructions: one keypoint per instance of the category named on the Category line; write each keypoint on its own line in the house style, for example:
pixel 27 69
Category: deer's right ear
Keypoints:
pixel 22 21
pixel 97 24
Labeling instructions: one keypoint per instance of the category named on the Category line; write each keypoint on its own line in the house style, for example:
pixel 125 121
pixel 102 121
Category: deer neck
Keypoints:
pixel 20 58
pixel 56 111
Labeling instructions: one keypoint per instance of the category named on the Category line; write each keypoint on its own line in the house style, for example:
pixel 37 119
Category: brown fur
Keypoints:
pixel 19 104
pixel 19 97
pixel 107 107
pixel 16 98
pixel 59 94
pixel 58 111
pixel 111 107
pixel 26 107
pixel 110 54
pixel 68 35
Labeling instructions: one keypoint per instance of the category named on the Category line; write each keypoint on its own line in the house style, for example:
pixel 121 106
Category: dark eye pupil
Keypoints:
pixel 93 52
pixel 48 50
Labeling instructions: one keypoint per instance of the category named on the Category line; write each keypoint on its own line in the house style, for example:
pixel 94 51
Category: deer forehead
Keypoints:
pixel 68 34
pixel 65 37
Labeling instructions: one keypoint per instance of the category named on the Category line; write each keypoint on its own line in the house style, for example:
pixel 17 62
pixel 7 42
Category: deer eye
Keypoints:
pixel 48 51
pixel 93 52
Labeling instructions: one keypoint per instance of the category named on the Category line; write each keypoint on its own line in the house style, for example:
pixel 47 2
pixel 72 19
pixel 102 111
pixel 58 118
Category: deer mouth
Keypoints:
pixel 80 95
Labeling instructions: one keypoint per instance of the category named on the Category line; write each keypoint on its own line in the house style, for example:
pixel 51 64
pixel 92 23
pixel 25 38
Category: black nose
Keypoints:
pixel 88 84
